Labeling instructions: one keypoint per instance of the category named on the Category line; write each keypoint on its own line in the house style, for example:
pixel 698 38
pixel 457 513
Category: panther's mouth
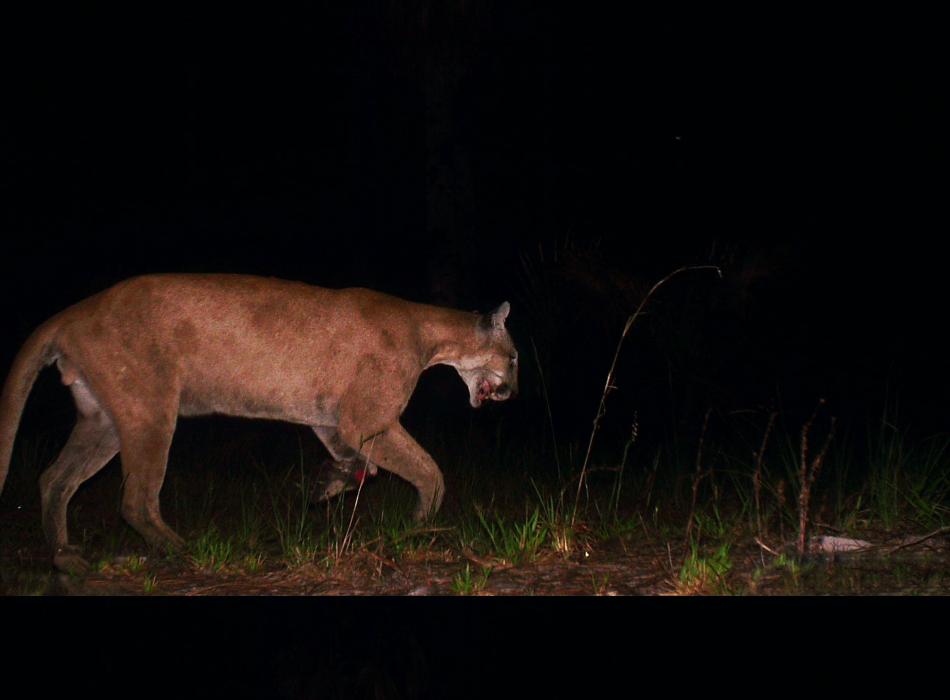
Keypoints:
pixel 485 390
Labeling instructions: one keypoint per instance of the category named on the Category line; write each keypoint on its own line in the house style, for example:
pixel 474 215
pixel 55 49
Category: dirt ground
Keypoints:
pixel 613 569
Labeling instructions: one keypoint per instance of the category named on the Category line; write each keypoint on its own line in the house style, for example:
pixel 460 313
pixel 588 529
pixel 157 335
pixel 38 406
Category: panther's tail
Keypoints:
pixel 36 353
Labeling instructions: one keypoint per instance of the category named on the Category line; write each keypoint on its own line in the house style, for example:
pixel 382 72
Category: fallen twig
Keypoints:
pixel 491 564
pixel 420 531
pixel 905 545
pixel 383 560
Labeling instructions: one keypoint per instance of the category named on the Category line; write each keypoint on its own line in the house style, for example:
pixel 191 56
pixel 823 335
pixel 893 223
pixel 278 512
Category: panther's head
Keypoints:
pixel 490 370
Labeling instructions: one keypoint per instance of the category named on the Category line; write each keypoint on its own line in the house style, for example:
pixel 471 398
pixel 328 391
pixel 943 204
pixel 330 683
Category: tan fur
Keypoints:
pixel 149 349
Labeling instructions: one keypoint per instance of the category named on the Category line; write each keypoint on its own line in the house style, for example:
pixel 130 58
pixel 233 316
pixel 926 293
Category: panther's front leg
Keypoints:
pixel 394 449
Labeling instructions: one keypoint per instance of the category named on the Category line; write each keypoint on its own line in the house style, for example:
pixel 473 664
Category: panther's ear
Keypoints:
pixel 500 314
pixel 495 320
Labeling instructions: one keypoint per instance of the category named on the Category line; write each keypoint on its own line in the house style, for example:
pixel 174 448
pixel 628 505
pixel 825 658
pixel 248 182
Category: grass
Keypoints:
pixel 908 482
pixel 294 527
pixel 516 496
pixel 134 564
pixel 467 583
pixel 514 541
pixel 253 563
pixel 557 521
pixel 262 518
pixel 600 584
pixel 705 573
pixel 212 551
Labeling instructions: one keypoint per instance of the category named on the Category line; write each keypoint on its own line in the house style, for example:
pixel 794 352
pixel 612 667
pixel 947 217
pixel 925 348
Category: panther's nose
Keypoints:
pixel 503 392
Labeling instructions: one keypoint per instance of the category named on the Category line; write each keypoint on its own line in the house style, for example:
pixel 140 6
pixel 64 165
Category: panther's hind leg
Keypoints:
pixel 91 445
pixel 144 448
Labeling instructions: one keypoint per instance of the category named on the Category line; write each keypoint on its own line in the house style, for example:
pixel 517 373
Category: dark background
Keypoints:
pixel 462 153
pixel 565 159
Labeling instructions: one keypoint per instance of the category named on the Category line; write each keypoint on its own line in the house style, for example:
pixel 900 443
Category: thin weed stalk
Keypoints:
pixel 348 536
pixel 547 403
pixel 808 472
pixel 697 476
pixel 757 475
pixel 618 483
pixel 609 385
pixel 780 497
pixel 651 479
pixel 292 523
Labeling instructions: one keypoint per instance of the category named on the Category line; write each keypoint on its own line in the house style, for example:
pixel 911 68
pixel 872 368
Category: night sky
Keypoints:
pixel 464 153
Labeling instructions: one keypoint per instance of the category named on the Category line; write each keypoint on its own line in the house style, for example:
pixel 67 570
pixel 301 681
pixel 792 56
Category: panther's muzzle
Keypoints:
pixel 487 391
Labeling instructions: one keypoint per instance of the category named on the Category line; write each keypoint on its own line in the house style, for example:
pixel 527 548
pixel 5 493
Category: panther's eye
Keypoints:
pixel 514 360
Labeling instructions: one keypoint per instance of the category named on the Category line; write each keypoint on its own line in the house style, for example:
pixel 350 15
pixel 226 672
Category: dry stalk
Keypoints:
pixel 918 540
pixel 780 496
pixel 547 403
pixel 383 561
pixel 493 565
pixel 766 547
pixel 651 482
pixel 808 472
pixel 757 475
pixel 608 384
pixel 359 489
pixel 698 476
